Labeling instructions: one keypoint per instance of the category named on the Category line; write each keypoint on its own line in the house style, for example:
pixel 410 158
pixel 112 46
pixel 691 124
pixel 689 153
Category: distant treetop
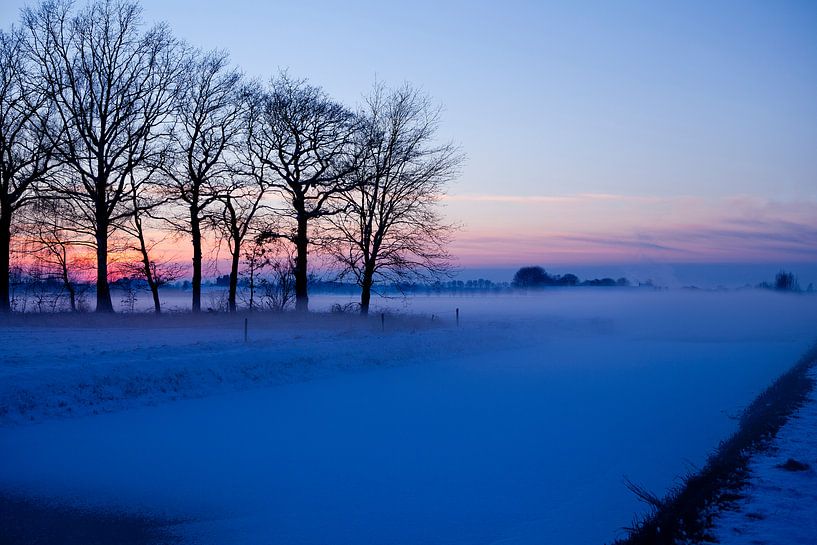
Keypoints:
pixel 537 277
pixel 531 277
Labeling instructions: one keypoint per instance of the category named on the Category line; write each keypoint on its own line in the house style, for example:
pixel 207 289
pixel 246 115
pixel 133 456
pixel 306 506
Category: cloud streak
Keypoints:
pixel 670 229
pixel 545 199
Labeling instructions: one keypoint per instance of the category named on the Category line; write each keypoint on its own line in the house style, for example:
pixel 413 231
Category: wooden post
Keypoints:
pixel 382 321
pixel 245 329
pixel 458 316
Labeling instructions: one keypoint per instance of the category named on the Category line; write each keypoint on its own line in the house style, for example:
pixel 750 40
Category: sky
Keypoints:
pixel 595 132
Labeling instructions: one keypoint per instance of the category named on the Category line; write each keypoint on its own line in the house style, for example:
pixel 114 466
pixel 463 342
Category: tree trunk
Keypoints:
pixel 5 252
pixel 103 290
pixel 234 274
pixel 301 246
pixel 66 281
pixel 72 297
pixel 365 293
pixel 154 287
pixel 195 231
pixel 154 290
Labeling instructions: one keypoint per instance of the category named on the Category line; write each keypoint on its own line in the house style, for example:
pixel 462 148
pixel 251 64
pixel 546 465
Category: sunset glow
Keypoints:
pixel 410 273
pixel 574 229
pixel 593 133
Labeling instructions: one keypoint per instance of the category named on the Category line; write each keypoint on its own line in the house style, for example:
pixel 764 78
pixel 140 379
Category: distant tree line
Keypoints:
pixel 116 136
pixel 785 281
pixel 537 277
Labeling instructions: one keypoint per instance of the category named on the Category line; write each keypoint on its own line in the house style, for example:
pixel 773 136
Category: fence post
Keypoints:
pixel 382 321
pixel 245 329
pixel 458 316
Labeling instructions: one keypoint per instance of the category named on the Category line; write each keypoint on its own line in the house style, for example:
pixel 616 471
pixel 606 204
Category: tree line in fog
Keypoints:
pixel 116 136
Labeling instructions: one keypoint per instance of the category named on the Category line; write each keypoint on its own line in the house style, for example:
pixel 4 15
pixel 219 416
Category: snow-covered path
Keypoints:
pixel 780 504
pixel 516 442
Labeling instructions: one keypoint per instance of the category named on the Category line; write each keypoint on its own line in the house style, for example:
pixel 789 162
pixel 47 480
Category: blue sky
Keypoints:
pixel 648 122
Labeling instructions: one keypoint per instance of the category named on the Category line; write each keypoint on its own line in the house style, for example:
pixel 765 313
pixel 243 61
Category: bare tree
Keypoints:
pixel 146 198
pixel 391 228
pixel 255 259
pixel 112 86
pixel 268 254
pixel 25 149
pixel 242 205
pixel 53 245
pixel 279 289
pixel 17 282
pixel 209 108
pixel 300 144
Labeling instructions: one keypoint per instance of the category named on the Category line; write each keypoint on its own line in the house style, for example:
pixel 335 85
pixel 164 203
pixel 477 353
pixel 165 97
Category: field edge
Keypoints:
pixel 686 513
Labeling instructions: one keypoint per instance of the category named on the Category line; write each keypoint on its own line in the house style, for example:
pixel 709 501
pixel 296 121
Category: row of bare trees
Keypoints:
pixel 115 136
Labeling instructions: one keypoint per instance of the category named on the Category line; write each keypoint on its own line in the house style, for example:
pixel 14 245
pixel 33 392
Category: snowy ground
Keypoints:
pixel 516 427
pixel 780 506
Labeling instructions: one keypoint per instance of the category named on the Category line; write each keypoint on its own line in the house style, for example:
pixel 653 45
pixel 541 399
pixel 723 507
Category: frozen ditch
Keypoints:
pixel 516 428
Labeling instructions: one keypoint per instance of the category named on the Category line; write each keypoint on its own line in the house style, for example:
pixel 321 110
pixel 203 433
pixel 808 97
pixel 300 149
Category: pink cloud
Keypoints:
pixel 610 228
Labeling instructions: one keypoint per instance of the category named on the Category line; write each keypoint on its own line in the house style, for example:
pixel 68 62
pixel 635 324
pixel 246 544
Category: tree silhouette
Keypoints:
pixel 112 86
pixel 390 228
pixel 531 277
pixel 208 110
pixel 25 146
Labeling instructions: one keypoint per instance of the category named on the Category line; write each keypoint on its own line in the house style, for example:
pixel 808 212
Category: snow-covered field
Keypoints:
pixel 516 427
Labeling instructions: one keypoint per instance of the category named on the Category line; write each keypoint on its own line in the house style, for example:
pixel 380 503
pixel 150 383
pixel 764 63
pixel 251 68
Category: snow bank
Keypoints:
pixel 780 503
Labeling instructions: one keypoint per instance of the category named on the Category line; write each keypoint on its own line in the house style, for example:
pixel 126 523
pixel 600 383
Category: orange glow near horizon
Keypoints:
pixel 584 229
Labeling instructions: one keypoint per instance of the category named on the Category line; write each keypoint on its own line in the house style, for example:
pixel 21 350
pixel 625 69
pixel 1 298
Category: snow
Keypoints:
pixel 516 427
pixel 71 370
pixel 780 505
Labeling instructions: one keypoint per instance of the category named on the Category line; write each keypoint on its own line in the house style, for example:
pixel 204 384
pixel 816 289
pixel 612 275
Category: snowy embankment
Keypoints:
pixel 516 427
pixel 779 503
